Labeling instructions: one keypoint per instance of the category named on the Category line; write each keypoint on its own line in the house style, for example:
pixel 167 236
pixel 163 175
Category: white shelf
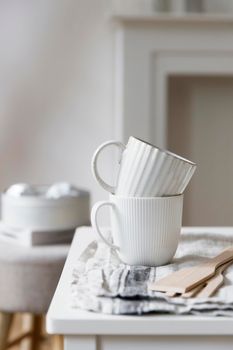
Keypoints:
pixel 187 18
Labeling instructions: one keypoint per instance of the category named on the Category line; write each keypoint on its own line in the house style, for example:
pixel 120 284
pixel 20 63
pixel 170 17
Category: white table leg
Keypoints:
pixel 82 342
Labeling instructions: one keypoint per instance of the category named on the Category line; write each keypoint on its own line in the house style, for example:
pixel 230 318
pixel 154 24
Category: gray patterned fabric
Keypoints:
pixel 102 283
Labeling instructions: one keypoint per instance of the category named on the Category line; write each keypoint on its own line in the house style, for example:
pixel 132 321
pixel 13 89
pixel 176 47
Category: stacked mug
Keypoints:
pixel 146 203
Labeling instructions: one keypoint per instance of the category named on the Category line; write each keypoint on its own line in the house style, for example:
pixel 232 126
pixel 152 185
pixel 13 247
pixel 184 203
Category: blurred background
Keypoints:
pixel 67 83
pixel 57 104
pixel 56 92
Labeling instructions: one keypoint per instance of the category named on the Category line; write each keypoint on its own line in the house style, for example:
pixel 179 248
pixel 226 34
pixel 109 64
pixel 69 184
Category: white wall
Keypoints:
pixel 56 90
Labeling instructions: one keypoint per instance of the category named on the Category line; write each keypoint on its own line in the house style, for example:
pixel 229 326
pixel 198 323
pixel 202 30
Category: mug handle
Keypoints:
pixel 94 167
pixel 94 221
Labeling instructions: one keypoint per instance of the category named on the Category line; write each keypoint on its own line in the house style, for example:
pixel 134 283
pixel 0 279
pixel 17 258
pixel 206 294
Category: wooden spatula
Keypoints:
pixel 214 283
pixel 184 280
pixel 209 287
pixel 193 292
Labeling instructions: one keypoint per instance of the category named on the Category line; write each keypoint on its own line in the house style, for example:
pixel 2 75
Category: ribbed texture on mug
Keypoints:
pixel 147 171
pixel 147 229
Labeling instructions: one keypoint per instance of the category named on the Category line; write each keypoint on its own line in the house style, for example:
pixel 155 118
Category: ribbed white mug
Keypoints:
pixel 146 171
pixel 145 231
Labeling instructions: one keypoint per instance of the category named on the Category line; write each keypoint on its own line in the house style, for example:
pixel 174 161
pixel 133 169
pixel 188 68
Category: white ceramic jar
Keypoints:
pixel 41 213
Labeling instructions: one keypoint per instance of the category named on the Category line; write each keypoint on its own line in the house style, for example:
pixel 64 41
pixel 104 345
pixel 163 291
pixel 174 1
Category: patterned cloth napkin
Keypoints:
pixel 102 283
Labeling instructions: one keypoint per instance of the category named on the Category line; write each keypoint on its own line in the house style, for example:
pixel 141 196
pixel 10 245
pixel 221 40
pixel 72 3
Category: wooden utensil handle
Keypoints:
pixel 222 258
pixel 213 284
pixel 208 287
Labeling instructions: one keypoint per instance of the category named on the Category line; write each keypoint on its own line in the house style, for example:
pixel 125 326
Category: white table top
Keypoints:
pixel 62 319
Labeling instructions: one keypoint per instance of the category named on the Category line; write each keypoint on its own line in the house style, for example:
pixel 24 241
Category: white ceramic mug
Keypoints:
pixel 145 231
pixel 146 170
